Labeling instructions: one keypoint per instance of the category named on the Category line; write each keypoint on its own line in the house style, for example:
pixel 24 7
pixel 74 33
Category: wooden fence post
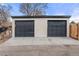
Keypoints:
pixel 78 31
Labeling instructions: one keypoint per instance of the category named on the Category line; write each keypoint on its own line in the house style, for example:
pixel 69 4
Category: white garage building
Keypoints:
pixel 40 26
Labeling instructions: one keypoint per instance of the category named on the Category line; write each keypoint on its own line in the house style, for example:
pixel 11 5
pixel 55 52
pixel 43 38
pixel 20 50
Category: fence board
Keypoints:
pixel 74 30
pixel 78 31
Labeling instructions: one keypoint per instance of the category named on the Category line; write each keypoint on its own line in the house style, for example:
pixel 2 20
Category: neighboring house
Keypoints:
pixel 40 26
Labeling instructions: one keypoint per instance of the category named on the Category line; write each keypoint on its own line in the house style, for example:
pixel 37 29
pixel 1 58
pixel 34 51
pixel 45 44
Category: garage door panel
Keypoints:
pixel 24 28
pixel 57 28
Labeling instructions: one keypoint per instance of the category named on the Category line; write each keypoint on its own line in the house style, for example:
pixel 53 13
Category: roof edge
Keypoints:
pixel 40 16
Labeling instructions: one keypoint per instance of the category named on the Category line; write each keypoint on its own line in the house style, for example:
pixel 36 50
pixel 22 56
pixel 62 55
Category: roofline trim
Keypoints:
pixel 40 16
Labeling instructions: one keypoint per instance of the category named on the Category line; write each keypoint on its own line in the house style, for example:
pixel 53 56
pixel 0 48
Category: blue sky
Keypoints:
pixel 71 9
pixel 53 9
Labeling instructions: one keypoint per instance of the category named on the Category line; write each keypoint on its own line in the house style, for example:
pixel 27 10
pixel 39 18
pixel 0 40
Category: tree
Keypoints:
pixel 33 9
pixel 4 11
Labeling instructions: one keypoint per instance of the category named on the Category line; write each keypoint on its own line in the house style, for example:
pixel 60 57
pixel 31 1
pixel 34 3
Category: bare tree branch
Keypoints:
pixel 33 9
pixel 4 12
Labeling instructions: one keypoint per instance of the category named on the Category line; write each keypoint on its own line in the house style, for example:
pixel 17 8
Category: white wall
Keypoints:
pixel 40 28
pixel 40 25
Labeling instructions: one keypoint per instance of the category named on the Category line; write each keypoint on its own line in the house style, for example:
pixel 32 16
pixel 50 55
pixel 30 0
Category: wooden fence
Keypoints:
pixel 74 30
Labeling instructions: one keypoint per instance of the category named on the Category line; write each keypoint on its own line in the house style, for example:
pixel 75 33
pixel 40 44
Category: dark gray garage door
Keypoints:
pixel 24 28
pixel 56 28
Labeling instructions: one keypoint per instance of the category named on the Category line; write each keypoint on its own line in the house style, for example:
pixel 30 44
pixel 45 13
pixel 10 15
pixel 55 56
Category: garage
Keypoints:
pixel 40 26
pixel 24 28
pixel 57 28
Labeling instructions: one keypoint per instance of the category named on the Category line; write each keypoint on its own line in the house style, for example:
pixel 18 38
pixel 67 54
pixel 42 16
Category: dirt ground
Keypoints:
pixel 40 50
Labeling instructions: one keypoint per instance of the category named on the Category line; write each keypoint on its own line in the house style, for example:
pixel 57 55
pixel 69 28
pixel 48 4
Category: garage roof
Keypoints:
pixel 41 16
